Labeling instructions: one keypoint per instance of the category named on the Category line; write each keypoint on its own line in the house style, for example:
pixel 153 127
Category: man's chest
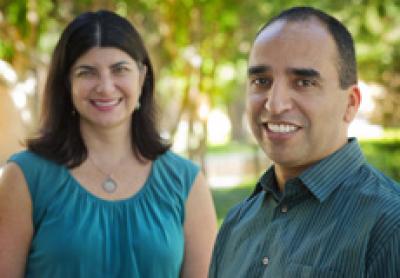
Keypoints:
pixel 286 240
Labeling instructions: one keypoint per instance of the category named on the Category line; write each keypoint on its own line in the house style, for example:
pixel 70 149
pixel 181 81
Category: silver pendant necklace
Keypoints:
pixel 109 185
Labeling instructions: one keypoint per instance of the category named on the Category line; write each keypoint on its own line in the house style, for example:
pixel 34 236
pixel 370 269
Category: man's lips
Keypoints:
pixel 282 128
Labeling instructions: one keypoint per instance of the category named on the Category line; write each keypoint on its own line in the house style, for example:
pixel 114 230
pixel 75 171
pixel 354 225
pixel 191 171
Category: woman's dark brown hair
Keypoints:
pixel 59 137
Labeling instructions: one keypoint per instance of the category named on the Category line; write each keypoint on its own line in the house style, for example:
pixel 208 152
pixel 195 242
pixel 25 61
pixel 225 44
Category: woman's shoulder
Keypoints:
pixel 29 156
pixel 35 168
pixel 174 161
pixel 29 161
pixel 24 155
pixel 175 170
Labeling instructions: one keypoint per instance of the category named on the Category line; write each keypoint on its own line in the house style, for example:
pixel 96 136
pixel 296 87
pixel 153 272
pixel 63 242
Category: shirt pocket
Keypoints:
pixel 306 271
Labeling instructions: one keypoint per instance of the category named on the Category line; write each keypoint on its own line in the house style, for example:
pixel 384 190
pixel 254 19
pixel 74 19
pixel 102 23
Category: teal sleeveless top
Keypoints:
pixel 77 234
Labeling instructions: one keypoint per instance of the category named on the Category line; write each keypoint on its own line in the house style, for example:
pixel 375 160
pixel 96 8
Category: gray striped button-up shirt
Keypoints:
pixel 339 218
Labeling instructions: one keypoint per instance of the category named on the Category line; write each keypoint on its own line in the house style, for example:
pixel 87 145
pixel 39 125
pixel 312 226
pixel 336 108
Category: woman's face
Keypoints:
pixel 106 85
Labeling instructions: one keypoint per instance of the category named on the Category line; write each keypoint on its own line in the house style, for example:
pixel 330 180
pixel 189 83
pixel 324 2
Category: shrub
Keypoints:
pixel 384 154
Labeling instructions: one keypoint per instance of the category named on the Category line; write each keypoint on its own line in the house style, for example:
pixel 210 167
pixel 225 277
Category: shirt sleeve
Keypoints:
pixel 386 263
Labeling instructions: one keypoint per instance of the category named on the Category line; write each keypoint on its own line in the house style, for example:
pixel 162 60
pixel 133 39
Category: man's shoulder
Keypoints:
pixel 380 185
pixel 382 194
pixel 386 215
pixel 382 178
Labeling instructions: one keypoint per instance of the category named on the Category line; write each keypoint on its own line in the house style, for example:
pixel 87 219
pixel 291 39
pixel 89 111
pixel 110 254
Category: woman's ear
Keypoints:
pixel 353 103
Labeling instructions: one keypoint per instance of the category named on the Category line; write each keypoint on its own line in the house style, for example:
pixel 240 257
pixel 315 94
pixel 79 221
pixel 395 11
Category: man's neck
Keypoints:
pixel 283 174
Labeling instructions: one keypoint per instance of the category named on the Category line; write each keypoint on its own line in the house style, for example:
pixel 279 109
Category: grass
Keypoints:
pixel 391 133
pixel 231 147
pixel 226 198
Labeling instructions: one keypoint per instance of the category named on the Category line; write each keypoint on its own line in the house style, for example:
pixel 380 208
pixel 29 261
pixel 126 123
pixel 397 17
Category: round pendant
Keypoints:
pixel 109 185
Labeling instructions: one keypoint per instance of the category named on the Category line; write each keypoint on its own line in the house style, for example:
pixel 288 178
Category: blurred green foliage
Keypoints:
pixel 219 32
pixel 226 198
pixel 200 47
pixel 384 154
pixel 231 147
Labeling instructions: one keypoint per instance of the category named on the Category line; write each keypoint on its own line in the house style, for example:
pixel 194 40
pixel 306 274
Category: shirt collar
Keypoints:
pixel 326 175
pixel 322 178
pixel 267 182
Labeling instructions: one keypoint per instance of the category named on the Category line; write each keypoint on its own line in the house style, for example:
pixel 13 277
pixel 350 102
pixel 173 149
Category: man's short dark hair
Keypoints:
pixel 347 66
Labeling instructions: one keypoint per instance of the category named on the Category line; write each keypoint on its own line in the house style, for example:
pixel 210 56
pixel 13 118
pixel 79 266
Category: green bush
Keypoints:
pixel 384 154
pixel 226 198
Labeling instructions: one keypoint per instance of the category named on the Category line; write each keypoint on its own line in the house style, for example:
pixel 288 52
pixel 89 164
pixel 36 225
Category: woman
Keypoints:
pixel 98 193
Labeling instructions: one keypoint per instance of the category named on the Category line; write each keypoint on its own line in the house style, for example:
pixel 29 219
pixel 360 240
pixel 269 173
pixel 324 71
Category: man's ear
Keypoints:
pixel 353 103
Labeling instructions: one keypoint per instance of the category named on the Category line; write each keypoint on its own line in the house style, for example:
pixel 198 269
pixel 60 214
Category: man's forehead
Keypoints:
pixel 283 28
pixel 270 31
pixel 298 44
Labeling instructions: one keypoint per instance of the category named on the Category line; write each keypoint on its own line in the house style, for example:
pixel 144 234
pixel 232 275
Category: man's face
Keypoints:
pixel 296 108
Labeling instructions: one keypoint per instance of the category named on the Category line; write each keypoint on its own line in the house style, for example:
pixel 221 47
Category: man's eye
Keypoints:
pixel 305 83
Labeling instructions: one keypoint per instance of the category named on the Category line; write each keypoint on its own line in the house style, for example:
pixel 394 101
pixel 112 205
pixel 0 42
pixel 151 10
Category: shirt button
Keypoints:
pixel 265 261
pixel 284 209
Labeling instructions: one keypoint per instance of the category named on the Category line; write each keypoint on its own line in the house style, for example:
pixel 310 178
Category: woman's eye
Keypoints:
pixel 120 70
pixel 85 73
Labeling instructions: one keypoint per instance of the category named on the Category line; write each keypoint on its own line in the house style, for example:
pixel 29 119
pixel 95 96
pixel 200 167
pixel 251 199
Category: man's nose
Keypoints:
pixel 279 99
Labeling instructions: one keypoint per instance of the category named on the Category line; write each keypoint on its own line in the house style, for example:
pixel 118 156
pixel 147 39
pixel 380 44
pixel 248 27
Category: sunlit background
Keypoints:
pixel 199 50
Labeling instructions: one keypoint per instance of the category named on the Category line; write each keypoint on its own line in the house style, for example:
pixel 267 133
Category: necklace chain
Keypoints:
pixel 108 184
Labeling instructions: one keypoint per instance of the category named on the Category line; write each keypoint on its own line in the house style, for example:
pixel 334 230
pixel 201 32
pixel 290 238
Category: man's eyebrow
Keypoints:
pixel 305 72
pixel 258 69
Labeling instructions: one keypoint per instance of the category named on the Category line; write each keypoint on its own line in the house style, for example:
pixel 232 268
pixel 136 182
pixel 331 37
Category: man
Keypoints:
pixel 320 210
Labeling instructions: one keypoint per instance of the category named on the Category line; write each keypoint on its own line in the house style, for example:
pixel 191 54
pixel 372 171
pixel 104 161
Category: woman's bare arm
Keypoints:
pixel 200 230
pixel 16 228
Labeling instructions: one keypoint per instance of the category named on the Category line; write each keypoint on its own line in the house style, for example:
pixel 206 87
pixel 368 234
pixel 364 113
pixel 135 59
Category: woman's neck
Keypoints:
pixel 107 144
